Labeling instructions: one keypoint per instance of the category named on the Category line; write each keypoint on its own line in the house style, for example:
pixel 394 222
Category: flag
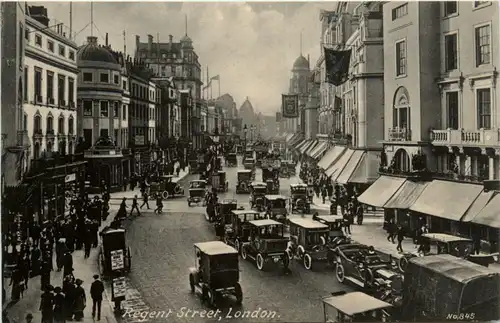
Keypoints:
pixel 215 78
pixel 337 66
pixel 290 105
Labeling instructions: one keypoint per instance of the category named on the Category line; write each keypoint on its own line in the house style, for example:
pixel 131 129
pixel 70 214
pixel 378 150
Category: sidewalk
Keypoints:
pixel 319 205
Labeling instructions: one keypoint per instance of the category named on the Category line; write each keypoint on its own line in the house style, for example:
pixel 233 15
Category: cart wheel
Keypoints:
pixel 191 282
pixel 189 203
pixel 260 262
pixel 238 292
pixel 165 195
pixel 402 264
pixel 307 262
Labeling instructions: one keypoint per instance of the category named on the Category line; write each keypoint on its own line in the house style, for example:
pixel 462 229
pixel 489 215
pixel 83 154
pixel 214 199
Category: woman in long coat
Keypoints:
pixel 36 265
pixel 59 304
pixel 15 281
pixel 69 292
pixel 79 301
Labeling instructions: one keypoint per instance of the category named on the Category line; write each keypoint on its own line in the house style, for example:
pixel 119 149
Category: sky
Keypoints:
pixel 252 46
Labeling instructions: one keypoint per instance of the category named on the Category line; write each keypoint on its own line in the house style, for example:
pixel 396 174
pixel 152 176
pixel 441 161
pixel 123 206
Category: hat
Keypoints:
pixel 29 316
pixel 78 281
pixel 96 276
pixel 57 289
pixel 49 288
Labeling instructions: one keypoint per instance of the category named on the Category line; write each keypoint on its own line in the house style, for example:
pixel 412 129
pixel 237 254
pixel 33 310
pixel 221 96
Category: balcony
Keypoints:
pixel 50 134
pixel 453 137
pixel 399 134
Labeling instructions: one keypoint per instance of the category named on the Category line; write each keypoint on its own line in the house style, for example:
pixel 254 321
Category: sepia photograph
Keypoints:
pixel 259 161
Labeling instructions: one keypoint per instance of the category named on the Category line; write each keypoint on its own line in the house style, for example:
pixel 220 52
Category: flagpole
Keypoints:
pixel 208 83
pixel 219 85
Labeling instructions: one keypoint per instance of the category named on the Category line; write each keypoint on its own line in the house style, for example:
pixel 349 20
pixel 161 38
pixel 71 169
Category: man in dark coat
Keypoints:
pixel 96 291
pixel 401 237
pixel 68 264
pixel 47 305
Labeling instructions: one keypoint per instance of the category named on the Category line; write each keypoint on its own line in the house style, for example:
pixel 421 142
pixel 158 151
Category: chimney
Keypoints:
pixel 170 40
pixel 308 59
pixel 150 43
pixel 39 13
pixel 92 40
pixel 107 40
pixel 137 42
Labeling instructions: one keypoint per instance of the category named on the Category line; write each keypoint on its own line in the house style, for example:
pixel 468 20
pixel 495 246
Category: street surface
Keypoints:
pixel 162 252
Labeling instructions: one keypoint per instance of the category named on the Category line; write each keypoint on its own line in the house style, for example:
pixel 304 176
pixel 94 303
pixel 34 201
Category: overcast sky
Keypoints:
pixel 251 45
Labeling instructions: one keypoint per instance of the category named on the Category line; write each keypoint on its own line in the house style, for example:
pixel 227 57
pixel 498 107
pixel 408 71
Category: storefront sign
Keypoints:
pixel 119 288
pixel 70 178
pixel 117 260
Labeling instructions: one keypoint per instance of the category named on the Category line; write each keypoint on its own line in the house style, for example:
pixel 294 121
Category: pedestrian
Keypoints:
pixel 47 305
pixel 359 213
pixel 401 237
pixel 15 282
pixel 96 291
pixel 347 225
pixel 135 206
pixel 159 205
pixel 45 275
pixel 79 300
pixel 125 183
pixel 145 200
pixel 59 303
pixel 24 267
pixel 29 318
pixel 61 249
pixel 68 291
pixel 324 194
pixel 391 231
pixel 67 264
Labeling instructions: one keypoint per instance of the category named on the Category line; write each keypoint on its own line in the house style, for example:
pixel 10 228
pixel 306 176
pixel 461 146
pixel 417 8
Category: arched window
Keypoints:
pixel 401 109
pixel 50 124
pixel 49 146
pixel 37 124
pixel 36 151
pixel 70 148
pixel 60 125
pixel 402 160
pixel 71 125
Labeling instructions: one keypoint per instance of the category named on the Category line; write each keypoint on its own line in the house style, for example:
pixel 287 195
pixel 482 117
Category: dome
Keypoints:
pixel 186 39
pixel 301 62
pixel 246 106
pixel 95 53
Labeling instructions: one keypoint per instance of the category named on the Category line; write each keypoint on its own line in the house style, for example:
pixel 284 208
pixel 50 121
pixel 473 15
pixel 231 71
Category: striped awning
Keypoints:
pixel 381 191
pixel 319 150
pixel 311 148
pixel 331 156
pixel 306 146
pixel 300 145
pixel 336 168
pixel 350 167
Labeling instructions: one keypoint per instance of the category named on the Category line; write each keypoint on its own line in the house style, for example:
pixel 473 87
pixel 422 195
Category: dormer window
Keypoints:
pixel 38 40
pixel 62 50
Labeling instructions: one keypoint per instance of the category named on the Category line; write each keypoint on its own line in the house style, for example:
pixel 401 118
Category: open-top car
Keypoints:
pixel 197 190
pixel 275 206
pixel 113 247
pixel 300 201
pixel 166 187
pixel 219 181
pixel 216 272
pixel 237 230
pixel 244 180
pixel 308 241
pixel 442 243
pixel 355 307
pixel 257 192
pixel 231 160
pixel 267 244
pixel 336 235
pixel 223 215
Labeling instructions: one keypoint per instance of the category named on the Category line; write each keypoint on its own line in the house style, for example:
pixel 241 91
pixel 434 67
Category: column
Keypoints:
pixel 468 165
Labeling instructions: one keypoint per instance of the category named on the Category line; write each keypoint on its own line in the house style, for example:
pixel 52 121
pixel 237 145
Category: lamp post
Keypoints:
pixel 245 130
pixel 252 127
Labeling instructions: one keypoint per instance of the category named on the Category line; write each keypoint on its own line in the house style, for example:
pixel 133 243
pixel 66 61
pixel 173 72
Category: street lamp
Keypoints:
pixel 252 133
pixel 245 130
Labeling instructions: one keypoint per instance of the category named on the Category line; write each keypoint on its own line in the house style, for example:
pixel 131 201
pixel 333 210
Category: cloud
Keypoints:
pixel 251 46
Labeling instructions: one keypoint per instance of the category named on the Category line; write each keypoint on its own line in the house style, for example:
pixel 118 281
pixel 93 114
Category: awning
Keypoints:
pixel 289 136
pixel 306 146
pixel 331 156
pixel 311 148
pixel 381 191
pixel 339 165
pixel 406 195
pixel 320 149
pixel 299 146
pixel 367 170
pixel 352 164
pixel 490 215
pixel 479 204
pixel 295 140
pixel 448 200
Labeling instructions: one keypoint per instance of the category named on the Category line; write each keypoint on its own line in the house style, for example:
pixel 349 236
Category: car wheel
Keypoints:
pixel 286 261
pixel 189 203
pixel 307 262
pixel 340 273
pixel 191 282
pixel 402 264
pixel 289 254
pixel 238 292
pixel 260 262
pixel 237 245
pixel 244 252
pixel 211 296
pixel 165 195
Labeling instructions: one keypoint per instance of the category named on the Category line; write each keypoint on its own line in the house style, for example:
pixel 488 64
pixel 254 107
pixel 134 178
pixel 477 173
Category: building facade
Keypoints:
pixel 300 85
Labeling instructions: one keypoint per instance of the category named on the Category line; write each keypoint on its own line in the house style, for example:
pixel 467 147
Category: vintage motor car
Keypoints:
pixel 275 206
pixel 300 201
pixel 442 243
pixel 223 215
pixel 270 176
pixel 249 163
pixel 292 167
pixel 216 272
pixel 193 166
pixel 219 181
pixel 266 244
pixel 231 160
pixel 257 192
pixel 244 179
pixel 237 230
pixel 308 240
pixel 336 235
pixel 113 246
pixel 249 153
pixel 197 190
pixel 355 307
pixel 167 186
pixel 284 173
pixel 363 267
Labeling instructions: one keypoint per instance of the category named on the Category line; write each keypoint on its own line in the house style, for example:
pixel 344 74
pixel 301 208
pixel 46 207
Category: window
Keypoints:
pixel 400 11
pixel 25 122
pixel 50 45
pixel 71 90
pixel 62 50
pixel 172 70
pixel 27 34
pixel 61 87
pixel 50 124
pixel 87 77
pixel 484 108
pixel 21 45
pixel 38 83
pixel 50 87
pixel 124 85
pixel 483 45
pixel 450 8
pixel 104 109
pixel 60 125
pixel 452 110
pixel 480 3
pixel 71 125
pixel 115 109
pixel 104 78
pixel 451 52
pixel 87 108
pixel 124 112
pixel 37 124
pixel 38 40
pixel 25 88
pixel 71 55
pixel 401 58
pixel 104 133
pixel 87 136
pixel 116 79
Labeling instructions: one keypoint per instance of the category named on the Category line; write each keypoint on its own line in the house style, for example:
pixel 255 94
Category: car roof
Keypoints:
pixel 308 223
pixel 330 218
pixel 244 171
pixel 443 237
pixel 355 303
pixel 265 222
pixel 213 248
pixel 276 197
pixel 258 183
pixel 109 230
pixel 197 189
pixel 244 212
pixel 197 181
pixel 298 185
pixel 221 171
pixel 229 201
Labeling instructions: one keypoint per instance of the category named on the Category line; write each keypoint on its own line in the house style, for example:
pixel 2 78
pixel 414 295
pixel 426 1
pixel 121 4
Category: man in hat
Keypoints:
pixel 96 291
pixel 80 300
pixel 47 305
pixel 59 303
pixel 68 263
pixel 29 318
